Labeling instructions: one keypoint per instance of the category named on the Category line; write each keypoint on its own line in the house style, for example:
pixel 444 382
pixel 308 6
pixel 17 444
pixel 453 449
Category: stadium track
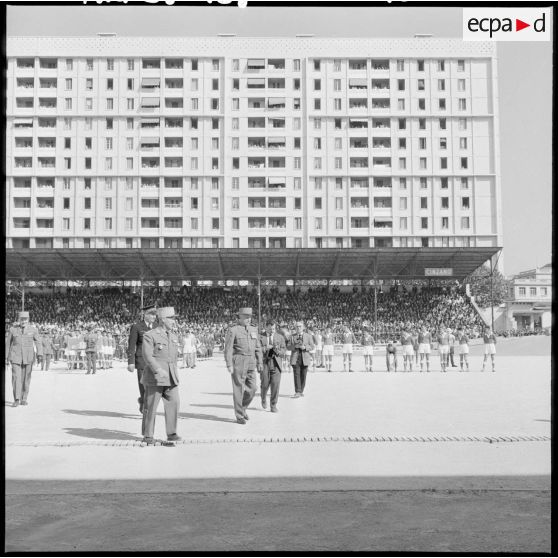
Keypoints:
pixel 458 496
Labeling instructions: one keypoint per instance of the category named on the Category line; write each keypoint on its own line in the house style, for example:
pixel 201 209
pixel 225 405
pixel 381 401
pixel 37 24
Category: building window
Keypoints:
pixel 108 223
pixel 443 162
pixel 464 183
pixel 215 64
pixel 444 182
pixel 129 163
pixel 402 223
pixel 318 223
pixel 339 223
pixel 400 65
pixel 402 162
pixel 421 104
pixel 108 204
pixel 401 104
pixel 87 223
pixel 423 203
pixel 215 223
pixel 317 203
pixel 235 223
pixel 296 65
pixel 465 202
pixel 130 104
pixel 464 163
pixel 402 204
pixel 464 222
pixel 444 202
pixel 462 104
pixel 338 203
pixel 338 162
pixel 522 291
pixel 403 183
pixel 296 161
pixel 463 143
pixel 402 122
pixel 461 65
pixel 297 183
pixel 422 143
pixel 424 222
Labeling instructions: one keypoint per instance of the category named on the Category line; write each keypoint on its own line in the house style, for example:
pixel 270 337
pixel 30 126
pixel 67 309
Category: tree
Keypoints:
pixel 479 282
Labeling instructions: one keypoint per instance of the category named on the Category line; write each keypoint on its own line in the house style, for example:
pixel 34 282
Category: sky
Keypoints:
pixel 524 69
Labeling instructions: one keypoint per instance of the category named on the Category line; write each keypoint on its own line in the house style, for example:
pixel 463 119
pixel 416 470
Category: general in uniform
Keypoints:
pixel 22 342
pixel 160 375
pixel 243 355
pixel 90 341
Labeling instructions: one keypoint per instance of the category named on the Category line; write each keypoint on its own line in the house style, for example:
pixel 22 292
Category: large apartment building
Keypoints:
pixel 236 142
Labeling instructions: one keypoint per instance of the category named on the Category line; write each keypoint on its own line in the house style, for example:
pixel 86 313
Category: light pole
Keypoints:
pixel 259 302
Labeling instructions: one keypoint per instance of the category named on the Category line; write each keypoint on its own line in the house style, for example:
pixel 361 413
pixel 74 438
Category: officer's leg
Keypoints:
pixel 250 384
pixel 152 398
pixel 47 357
pixel 94 361
pixel 26 380
pixel 16 380
pixel 141 387
pixel 303 371
pixel 171 405
pixel 264 382
pixel 237 378
pixel 275 381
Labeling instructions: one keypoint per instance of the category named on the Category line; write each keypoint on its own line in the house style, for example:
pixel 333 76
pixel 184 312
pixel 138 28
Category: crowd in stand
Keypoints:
pixel 214 307
pixel 206 313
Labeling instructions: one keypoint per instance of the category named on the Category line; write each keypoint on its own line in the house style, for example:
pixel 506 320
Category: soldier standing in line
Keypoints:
pixel 243 355
pixel 367 348
pixel 21 344
pixel 160 376
pixel 91 350
pixel 135 351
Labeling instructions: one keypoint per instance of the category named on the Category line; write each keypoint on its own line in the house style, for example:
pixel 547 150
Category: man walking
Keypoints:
pixel 160 376
pixel 243 355
pixel 22 343
pixel 273 347
pixel 48 350
pixel 300 344
pixel 135 350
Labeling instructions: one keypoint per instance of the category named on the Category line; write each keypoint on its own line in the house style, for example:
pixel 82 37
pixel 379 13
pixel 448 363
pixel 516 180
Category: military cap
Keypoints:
pixel 166 312
pixel 245 311
pixel 23 315
pixel 150 308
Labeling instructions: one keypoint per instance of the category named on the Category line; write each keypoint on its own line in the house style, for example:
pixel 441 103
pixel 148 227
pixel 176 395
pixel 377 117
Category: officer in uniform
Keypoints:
pixel 48 350
pixel 21 344
pixel 243 354
pixel 135 353
pixel 160 375
pixel 90 341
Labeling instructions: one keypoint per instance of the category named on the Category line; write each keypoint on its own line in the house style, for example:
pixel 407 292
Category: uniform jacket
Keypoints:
pixel 135 354
pixel 243 341
pixel 308 346
pixel 90 342
pixel 279 348
pixel 48 348
pixel 19 344
pixel 160 354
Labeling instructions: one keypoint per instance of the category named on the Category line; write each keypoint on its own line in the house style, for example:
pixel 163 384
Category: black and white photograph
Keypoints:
pixel 303 253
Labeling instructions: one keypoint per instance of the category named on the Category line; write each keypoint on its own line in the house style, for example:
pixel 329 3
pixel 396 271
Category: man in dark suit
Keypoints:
pixel 160 375
pixel 300 344
pixel 135 354
pixel 273 348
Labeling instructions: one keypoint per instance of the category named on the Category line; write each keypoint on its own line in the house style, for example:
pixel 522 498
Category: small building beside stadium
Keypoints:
pixel 530 303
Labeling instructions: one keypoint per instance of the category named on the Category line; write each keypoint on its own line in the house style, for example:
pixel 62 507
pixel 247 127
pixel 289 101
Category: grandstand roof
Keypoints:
pixel 223 264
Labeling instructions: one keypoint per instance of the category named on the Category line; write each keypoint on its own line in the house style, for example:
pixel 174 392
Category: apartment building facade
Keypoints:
pixel 235 142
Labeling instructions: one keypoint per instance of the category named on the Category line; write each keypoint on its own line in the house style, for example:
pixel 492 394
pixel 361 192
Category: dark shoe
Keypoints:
pixel 274 409
pixel 351 370
pixel 264 404
pixel 241 420
pixel 25 402
pixel 297 395
pixel 302 395
pixel 246 417
pixel 87 373
pixel 16 403
pixel 174 438
pixel 148 441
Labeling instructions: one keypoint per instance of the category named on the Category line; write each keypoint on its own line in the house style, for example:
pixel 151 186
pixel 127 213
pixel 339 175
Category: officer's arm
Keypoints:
pixel 132 341
pixel 310 346
pixel 228 351
pixel 147 351
pixel 259 353
pixel 38 344
pixel 9 344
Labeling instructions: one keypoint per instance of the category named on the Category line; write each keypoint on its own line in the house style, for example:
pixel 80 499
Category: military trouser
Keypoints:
pixel 243 382
pixel 45 363
pixel 21 380
pixel 171 405
pixel 270 377
pixel 91 360
pixel 141 400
